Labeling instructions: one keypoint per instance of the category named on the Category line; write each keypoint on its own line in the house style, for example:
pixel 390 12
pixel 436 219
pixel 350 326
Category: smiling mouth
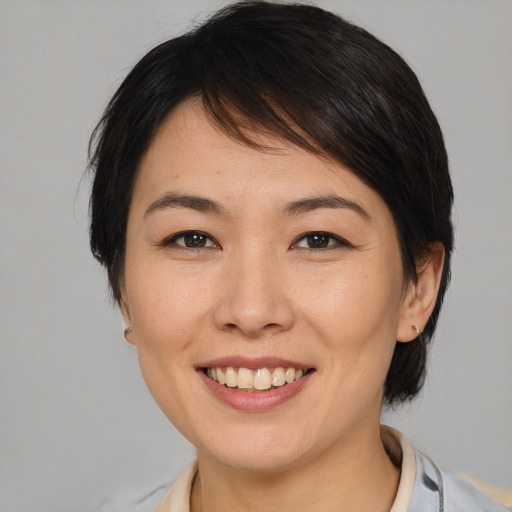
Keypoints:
pixel 262 379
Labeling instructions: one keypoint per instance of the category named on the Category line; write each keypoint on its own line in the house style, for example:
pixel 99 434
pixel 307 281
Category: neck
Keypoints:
pixel 357 475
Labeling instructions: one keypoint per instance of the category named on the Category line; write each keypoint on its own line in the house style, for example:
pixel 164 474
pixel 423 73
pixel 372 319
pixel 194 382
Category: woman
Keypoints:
pixel 272 204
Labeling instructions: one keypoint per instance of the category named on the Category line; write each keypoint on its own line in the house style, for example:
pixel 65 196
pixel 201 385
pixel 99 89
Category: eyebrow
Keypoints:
pixel 173 200
pixel 328 201
pixel 202 204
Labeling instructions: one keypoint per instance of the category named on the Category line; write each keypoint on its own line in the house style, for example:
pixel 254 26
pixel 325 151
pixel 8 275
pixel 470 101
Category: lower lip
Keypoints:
pixel 255 401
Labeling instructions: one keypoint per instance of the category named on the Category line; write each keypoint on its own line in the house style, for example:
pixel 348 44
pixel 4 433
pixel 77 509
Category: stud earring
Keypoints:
pixel 128 330
pixel 416 330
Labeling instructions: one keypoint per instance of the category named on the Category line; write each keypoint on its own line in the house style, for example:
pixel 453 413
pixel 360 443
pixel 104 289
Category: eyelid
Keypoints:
pixel 339 241
pixel 171 240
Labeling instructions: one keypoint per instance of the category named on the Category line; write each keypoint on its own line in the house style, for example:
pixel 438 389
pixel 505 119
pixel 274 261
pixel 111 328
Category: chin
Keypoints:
pixel 264 450
pixel 259 461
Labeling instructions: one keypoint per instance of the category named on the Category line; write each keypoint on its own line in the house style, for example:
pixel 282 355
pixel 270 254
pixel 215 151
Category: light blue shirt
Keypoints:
pixel 439 491
pixel 423 487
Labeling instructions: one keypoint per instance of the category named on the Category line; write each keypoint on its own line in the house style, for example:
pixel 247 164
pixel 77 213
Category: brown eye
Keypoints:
pixel 195 240
pixel 319 240
pixel 192 240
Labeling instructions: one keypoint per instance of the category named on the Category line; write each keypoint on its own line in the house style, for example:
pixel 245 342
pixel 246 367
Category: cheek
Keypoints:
pixel 354 303
pixel 354 315
pixel 166 305
pixel 165 310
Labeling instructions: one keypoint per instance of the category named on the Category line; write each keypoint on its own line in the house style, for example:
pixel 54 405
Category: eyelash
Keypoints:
pixel 333 241
pixel 184 234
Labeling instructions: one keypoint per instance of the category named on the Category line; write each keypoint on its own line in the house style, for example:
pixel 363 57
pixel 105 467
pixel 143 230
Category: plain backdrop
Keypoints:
pixel 78 429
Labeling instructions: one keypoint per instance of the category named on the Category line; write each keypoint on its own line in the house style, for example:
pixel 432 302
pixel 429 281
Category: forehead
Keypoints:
pixel 190 154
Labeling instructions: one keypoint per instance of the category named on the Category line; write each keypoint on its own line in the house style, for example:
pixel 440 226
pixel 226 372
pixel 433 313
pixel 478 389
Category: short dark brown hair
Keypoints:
pixel 307 76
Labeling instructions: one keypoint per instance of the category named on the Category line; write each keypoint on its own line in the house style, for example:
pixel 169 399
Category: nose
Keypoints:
pixel 252 297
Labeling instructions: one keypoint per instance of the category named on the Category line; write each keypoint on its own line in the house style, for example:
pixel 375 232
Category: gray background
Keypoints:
pixel 78 430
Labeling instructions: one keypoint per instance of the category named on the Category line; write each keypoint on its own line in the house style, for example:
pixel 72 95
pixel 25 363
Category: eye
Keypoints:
pixel 319 240
pixel 191 240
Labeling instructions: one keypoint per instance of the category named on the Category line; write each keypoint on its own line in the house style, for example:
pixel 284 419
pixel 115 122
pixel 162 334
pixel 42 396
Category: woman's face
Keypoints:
pixel 261 264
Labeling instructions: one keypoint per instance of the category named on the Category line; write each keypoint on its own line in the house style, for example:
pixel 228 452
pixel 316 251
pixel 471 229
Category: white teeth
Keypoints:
pixel 278 377
pixel 254 380
pixel 231 379
pixel 245 378
pixel 262 379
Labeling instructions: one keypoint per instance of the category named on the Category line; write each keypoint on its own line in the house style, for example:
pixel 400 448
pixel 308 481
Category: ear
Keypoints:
pixel 125 311
pixel 421 295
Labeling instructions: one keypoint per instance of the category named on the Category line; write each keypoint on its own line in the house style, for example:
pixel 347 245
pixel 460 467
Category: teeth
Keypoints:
pixel 231 380
pixel 245 378
pixel 278 377
pixel 259 380
pixel 262 379
pixel 290 375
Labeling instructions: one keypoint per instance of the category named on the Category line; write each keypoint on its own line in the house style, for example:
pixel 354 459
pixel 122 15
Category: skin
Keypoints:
pixel 257 289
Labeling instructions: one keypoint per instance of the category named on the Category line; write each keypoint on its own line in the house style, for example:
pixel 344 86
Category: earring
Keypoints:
pixel 416 330
pixel 128 330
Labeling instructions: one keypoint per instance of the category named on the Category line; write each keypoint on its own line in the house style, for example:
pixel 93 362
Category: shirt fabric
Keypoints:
pixel 423 487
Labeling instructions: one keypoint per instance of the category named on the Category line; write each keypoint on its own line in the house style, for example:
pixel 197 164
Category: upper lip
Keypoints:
pixel 252 363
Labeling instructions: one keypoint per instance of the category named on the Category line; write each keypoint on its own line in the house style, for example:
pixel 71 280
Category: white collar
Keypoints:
pixel 177 498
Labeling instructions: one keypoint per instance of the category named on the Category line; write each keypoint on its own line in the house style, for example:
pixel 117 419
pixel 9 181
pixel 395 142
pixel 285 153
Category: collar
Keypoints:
pixel 397 447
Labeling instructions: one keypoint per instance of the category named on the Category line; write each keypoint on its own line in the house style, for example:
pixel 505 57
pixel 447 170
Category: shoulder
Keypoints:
pixel 461 495
pixel 436 489
pixel 425 487
pixel 135 500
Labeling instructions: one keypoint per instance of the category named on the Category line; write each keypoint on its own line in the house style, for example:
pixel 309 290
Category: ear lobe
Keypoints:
pixel 128 335
pixel 421 296
pixel 128 330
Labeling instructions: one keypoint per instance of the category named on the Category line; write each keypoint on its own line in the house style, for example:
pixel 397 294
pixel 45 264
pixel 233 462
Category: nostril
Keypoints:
pixel 253 331
pixel 253 316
